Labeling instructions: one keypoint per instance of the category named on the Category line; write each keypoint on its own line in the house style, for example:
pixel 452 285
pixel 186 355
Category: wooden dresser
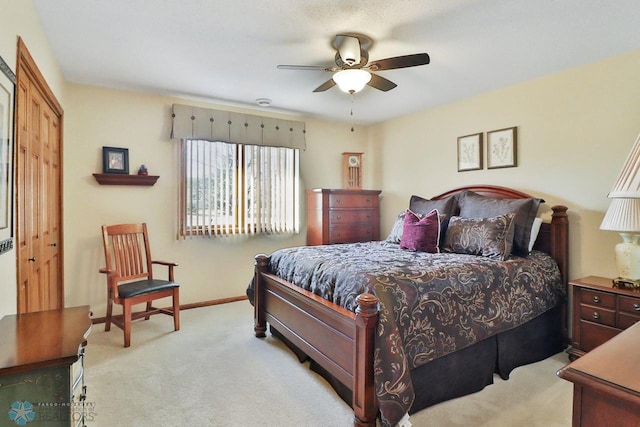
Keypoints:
pixel 41 367
pixel 600 312
pixel 606 389
pixel 342 216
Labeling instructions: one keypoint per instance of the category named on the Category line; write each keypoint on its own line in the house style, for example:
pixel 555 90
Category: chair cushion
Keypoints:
pixel 132 289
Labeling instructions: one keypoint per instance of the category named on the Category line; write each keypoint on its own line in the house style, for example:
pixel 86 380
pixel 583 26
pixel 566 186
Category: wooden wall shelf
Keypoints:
pixel 122 179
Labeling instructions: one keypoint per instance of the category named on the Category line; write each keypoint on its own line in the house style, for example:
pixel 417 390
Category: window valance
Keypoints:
pixel 189 122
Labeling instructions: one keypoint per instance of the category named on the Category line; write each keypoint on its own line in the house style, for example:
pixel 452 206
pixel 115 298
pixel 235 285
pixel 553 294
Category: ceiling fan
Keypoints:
pixel 353 71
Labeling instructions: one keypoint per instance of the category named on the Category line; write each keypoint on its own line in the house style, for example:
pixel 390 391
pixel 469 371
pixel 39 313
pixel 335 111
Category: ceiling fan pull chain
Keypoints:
pixel 352 95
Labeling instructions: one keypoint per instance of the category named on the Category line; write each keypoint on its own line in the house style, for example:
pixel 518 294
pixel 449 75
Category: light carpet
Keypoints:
pixel 214 372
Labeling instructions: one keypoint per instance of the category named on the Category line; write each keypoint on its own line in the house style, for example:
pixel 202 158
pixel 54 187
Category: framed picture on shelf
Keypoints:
pixel 470 152
pixel 115 160
pixel 502 148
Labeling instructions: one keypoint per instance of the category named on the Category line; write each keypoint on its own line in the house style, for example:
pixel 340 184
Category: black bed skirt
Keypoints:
pixel 471 369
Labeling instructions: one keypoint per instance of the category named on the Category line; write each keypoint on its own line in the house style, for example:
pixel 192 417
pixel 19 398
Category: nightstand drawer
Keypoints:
pixel 604 299
pixel 596 314
pixel 626 320
pixel 629 304
pixel 350 217
pixel 592 335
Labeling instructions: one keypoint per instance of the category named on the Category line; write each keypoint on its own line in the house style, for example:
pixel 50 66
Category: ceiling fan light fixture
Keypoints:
pixel 352 80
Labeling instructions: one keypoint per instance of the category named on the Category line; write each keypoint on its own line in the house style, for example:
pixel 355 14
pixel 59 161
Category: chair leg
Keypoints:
pixel 126 314
pixel 149 306
pixel 176 309
pixel 107 323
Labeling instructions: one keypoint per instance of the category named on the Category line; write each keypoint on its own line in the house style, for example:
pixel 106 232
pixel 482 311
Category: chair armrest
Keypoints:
pixel 168 264
pixel 112 284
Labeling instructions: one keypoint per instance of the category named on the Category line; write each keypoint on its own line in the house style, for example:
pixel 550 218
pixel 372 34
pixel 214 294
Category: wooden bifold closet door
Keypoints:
pixel 39 189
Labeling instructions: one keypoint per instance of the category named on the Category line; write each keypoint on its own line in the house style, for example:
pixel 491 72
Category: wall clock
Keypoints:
pixel 352 170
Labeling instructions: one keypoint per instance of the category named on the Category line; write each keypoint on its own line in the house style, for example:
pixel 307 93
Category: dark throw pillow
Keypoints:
pixel 473 205
pixel 422 206
pixel 488 237
pixel 421 234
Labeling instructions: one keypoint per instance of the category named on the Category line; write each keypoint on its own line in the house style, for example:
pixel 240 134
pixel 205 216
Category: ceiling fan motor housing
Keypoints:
pixel 349 50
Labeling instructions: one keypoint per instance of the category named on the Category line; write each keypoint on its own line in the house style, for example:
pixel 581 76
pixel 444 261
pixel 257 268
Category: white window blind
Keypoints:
pixel 238 189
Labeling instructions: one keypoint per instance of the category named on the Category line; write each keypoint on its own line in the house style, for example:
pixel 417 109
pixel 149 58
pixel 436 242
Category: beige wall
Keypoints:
pixel 209 268
pixel 575 130
pixel 18 18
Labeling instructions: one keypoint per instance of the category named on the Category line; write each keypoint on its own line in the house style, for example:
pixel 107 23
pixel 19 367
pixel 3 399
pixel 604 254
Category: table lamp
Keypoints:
pixel 623 216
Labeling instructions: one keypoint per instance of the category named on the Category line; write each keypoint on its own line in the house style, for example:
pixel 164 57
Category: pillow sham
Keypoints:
pixel 474 205
pixel 422 206
pixel 487 237
pixel 421 234
pixel 395 235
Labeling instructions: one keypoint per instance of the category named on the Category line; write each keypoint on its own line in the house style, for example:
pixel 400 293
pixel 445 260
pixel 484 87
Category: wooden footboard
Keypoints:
pixel 340 341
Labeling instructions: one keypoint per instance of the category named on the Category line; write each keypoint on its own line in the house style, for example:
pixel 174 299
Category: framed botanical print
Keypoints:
pixel 470 152
pixel 502 148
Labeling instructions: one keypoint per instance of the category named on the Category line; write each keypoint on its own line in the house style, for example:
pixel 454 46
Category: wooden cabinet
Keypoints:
pixel 600 312
pixel 606 381
pixel 342 216
pixel 42 367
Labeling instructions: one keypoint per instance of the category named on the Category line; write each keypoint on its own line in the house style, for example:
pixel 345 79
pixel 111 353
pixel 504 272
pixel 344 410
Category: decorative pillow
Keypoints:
pixel 395 235
pixel 535 229
pixel 422 206
pixel 473 205
pixel 421 234
pixel 488 237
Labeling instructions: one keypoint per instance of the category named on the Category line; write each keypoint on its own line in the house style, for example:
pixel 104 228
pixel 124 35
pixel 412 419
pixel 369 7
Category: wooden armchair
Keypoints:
pixel 130 277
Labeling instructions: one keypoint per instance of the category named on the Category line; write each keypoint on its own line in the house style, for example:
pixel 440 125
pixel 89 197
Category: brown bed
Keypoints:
pixel 341 342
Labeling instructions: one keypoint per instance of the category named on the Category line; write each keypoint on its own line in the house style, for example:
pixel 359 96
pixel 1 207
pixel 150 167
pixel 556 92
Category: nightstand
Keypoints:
pixel 600 312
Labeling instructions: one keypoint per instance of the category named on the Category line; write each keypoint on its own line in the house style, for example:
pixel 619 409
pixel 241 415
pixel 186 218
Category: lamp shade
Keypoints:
pixel 628 182
pixel 352 80
pixel 623 215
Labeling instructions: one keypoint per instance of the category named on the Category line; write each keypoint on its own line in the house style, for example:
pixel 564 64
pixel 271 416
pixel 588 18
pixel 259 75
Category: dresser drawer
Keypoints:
pixel 597 298
pixel 592 335
pixel 352 201
pixel 350 235
pixel 597 314
pixel 350 217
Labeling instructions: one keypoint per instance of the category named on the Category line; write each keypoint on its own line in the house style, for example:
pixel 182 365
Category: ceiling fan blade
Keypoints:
pixel 324 86
pixel 399 62
pixel 307 67
pixel 381 83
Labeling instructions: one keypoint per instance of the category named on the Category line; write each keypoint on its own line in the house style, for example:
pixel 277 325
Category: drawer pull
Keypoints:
pixel 596 299
pixel 595 315
pixel 636 307
pixel 339 217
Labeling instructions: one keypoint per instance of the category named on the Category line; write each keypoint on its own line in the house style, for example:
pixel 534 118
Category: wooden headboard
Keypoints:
pixel 553 237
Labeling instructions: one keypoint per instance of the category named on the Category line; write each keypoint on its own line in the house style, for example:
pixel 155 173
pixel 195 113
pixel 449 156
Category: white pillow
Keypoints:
pixel 535 229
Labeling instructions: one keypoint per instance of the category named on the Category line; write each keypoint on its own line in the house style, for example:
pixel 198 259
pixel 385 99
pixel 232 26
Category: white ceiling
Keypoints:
pixel 226 51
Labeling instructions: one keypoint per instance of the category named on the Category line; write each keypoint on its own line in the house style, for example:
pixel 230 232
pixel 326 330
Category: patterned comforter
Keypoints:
pixel 430 304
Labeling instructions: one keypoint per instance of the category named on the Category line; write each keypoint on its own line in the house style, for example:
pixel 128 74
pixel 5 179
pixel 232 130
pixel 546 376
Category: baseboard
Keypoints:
pixel 189 306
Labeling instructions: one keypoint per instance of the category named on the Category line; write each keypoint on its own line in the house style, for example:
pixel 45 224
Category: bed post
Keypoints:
pixel 560 252
pixel 560 240
pixel 260 323
pixel 365 405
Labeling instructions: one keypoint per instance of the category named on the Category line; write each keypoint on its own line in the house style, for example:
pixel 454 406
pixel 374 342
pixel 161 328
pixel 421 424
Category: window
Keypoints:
pixel 237 189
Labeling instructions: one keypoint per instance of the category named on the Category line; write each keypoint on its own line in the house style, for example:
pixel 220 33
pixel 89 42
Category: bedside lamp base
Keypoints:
pixel 621 282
